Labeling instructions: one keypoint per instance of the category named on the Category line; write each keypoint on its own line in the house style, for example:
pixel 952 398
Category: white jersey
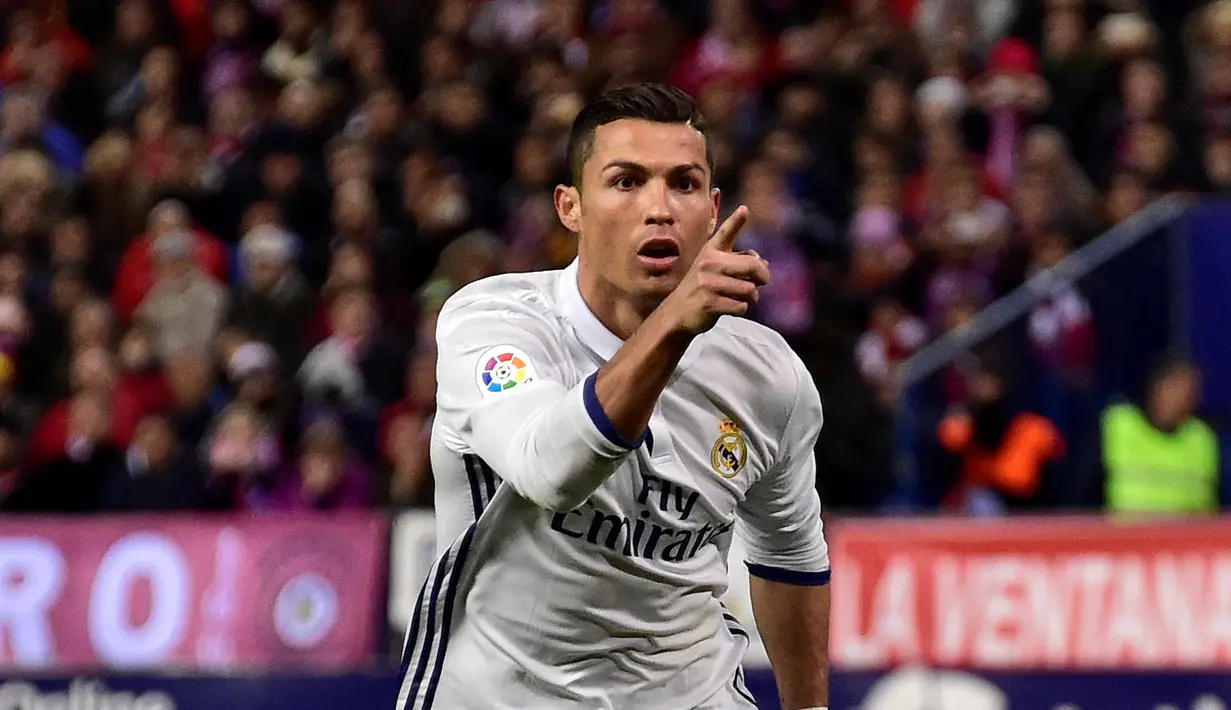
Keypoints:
pixel 583 571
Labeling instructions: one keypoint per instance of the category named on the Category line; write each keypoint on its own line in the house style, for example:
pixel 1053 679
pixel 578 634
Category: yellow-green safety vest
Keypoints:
pixel 1152 471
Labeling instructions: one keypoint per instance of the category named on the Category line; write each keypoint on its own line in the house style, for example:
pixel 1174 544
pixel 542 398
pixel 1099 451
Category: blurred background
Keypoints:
pixel 226 227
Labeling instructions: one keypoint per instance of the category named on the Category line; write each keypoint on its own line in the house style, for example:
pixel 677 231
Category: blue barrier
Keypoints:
pixel 362 691
pixel 892 690
pixel 1209 300
pixel 917 689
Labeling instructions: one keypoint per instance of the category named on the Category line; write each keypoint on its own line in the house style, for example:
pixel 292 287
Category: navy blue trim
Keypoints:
pixel 788 576
pixel 472 477
pixel 605 426
pixel 734 626
pixel 412 635
pixel 483 482
pixel 458 563
pixel 489 479
pixel 649 441
pixel 741 687
pixel 430 632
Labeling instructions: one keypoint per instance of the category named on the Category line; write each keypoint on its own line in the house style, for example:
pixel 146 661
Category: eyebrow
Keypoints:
pixel 638 168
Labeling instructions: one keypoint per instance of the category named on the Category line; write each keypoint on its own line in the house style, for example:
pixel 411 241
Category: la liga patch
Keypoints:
pixel 503 368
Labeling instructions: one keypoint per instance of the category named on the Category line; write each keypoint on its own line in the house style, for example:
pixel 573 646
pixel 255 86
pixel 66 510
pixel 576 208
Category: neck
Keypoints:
pixel 617 311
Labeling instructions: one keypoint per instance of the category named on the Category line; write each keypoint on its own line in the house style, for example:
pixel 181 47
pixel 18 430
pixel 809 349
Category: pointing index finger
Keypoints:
pixel 724 238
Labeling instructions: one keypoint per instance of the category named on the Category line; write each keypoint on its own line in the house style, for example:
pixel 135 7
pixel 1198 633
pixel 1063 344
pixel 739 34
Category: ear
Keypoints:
pixel 568 207
pixel 716 200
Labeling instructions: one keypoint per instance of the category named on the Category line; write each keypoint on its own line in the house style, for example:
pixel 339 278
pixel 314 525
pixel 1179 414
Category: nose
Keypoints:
pixel 658 206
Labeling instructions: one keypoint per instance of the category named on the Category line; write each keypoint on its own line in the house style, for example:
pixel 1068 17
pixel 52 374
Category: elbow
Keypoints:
pixel 553 472
pixel 555 464
pixel 558 499
pixel 556 490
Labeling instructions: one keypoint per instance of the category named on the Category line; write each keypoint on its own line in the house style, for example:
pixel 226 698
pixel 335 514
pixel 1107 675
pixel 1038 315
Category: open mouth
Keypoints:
pixel 659 251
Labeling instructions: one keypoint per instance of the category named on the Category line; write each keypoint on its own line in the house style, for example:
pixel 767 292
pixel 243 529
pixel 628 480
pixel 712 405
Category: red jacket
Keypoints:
pixel 75 53
pixel 50 436
pixel 135 276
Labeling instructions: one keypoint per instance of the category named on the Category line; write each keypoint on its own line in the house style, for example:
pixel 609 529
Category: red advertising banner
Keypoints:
pixel 215 593
pixel 1034 594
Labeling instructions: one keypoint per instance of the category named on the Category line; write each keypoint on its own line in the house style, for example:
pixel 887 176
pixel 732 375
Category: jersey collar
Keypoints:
pixel 590 330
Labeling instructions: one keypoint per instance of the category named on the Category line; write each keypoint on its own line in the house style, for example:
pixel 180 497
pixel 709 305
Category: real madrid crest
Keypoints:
pixel 730 453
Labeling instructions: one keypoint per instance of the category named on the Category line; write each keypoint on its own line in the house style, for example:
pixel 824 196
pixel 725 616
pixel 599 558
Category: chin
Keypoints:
pixel 659 286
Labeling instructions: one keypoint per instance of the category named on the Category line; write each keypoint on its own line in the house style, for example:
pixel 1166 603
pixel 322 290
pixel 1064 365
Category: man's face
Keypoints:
pixel 353 317
pixel 168 220
pixel 264 273
pixel 353 208
pixel 22 116
pixel 280 172
pixel 94 371
pixel 350 162
pixel 384 113
pixel 1175 397
pixel 645 208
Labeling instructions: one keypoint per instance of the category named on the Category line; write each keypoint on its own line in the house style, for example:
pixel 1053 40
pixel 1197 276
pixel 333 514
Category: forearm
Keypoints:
pixel 629 385
pixel 793 621
pixel 566 449
pixel 557 447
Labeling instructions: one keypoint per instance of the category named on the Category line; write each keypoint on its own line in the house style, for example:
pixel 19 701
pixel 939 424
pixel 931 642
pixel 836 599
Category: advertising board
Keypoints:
pixel 194 592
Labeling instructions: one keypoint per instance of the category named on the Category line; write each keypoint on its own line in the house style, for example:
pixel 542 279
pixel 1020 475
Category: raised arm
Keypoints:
pixel 553 443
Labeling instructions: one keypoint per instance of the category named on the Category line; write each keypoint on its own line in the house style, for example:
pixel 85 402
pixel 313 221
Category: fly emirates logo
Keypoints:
pixel 663 529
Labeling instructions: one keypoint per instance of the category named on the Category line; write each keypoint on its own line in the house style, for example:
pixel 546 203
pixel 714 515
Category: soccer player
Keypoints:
pixel 602 432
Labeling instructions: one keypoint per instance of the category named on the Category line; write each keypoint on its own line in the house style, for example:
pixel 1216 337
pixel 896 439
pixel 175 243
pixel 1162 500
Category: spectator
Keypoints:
pixel 70 478
pixel 241 456
pixel 185 307
pixel 905 163
pixel 137 268
pixel 11 458
pixel 406 432
pixel 189 378
pixel 327 475
pixel 254 372
pixel 299 51
pixel 880 253
pixel 141 369
pixel 24 120
pixel 157 82
pixel 1158 456
pixel 1045 150
pixel 112 197
pixel 136 30
pixel 92 370
pixel 472 256
pixel 232 58
pixel 272 303
pixel 893 335
pixel 774 223
pixel 18 416
pixel 351 367
pixel 1000 454
pixel 155 474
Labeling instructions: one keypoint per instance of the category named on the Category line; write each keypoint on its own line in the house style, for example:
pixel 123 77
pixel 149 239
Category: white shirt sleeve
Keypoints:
pixel 503 391
pixel 779 521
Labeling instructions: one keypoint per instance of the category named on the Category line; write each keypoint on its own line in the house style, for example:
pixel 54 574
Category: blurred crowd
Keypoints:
pixel 226 225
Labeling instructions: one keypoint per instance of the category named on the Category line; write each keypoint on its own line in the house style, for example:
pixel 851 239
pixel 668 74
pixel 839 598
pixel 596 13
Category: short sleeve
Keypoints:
pixel 779 521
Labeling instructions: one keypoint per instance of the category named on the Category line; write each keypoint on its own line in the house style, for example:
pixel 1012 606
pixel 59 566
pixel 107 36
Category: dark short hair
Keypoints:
pixel 1170 362
pixel 658 103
